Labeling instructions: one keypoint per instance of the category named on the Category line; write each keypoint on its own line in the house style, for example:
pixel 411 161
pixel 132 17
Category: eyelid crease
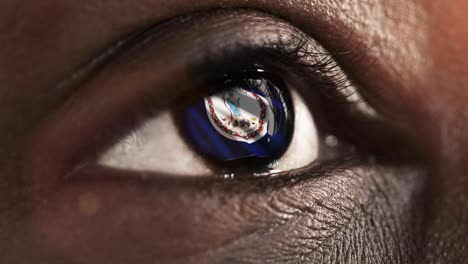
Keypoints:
pixel 96 63
pixel 140 37
pixel 114 51
pixel 121 50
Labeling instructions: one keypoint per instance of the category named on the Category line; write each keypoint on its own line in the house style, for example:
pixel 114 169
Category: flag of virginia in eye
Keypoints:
pixel 250 120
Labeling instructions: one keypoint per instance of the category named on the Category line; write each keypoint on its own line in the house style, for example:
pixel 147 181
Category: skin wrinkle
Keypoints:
pixel 299 210
pixel 321 236
pixel 320 209
pixel 387 247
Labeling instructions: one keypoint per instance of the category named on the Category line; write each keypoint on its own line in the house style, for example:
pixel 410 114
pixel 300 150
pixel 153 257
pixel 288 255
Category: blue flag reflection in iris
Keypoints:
pixel 252 119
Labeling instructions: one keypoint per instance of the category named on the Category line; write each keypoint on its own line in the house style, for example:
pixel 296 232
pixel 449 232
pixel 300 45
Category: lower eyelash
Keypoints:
pixel 296 177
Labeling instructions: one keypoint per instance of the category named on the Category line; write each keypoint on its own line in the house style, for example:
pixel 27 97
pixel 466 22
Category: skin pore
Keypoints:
pixel 413 73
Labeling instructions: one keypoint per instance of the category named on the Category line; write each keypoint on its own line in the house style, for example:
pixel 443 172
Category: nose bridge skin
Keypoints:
pixel 446 200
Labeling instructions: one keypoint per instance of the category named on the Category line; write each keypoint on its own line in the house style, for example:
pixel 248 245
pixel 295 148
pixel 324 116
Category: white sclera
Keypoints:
pixel 156 146
pixel 304 146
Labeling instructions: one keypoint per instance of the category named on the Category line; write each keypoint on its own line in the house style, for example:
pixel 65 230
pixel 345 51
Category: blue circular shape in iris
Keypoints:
pixel 249 118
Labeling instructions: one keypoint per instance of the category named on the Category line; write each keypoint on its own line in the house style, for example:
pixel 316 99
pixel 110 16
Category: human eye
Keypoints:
pixel 234 120
pixel 249 115
pixel 262 104
pixel 248 125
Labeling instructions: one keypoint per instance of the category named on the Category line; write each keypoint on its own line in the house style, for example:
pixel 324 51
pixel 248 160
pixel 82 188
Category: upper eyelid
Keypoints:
pixel 145 36
pixel 135 39
pixel 140 46
pixel 112 52
pixel 122 50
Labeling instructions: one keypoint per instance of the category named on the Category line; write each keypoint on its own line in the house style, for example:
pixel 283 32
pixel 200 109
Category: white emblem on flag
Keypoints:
pixel 239 115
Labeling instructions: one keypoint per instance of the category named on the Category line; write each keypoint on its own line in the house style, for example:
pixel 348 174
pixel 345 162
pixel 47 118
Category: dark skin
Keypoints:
pixel 414 74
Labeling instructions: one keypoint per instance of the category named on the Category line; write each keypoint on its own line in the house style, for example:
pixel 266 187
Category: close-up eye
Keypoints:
pixel 218 126
pixel 267 103
pixel 249 124
pixel 233 131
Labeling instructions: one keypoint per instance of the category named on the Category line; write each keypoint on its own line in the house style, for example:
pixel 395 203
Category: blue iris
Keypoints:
pixel 252 118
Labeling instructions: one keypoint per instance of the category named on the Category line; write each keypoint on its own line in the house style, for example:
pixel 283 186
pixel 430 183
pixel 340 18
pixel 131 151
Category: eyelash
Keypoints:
pixel 324 79
pixel 281 58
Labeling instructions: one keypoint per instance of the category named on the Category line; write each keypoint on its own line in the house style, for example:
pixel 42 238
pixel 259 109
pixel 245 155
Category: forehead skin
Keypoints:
pixel 419 73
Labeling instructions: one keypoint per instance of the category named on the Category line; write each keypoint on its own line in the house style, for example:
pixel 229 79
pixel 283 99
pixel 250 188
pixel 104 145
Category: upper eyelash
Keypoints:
pixel 321 68
pixel 327 66
pixel 323 72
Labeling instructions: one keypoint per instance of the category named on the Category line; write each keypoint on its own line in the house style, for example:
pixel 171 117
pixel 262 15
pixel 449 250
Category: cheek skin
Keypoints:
pixel 317 220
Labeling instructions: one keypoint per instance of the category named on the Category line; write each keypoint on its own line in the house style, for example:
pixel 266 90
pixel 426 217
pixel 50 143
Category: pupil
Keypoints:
pixel 250 119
